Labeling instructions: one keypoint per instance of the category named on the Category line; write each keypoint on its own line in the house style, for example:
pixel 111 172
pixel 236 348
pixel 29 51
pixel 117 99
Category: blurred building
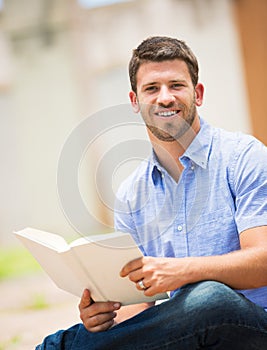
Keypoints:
pixel 61 61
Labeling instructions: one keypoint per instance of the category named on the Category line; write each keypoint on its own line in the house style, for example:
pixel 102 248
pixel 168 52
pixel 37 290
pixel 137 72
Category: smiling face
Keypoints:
pixel 166 98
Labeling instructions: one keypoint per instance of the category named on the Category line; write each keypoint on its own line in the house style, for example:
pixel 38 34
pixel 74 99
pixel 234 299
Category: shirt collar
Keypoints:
pixel 198 152
pixel 199 149
pixel 156 169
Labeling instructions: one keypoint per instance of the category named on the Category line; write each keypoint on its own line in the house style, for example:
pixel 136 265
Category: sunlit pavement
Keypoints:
pixel 32 307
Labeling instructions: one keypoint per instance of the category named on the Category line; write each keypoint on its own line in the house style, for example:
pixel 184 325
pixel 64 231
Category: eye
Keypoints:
pixel 151 88
pixel 177 85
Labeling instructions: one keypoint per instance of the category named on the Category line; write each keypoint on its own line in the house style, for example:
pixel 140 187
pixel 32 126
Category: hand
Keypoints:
pixel 158 274
pixel 97 317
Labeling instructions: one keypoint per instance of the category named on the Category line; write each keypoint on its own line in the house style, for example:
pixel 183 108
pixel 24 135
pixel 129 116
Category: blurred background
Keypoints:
pixel 62 61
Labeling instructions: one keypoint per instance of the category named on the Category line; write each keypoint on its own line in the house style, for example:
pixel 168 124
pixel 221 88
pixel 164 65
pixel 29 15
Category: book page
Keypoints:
pixel 93 265
pixel 47 239
pixel 53 254
pixel 117 239
pixel 104 259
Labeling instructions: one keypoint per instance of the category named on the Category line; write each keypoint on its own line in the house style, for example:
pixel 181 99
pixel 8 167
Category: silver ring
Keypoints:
pixel 141 285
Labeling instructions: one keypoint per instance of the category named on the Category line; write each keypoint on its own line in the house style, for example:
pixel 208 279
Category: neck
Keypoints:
pixel 168 153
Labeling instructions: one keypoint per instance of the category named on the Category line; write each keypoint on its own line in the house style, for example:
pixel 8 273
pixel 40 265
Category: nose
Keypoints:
pixel 165 97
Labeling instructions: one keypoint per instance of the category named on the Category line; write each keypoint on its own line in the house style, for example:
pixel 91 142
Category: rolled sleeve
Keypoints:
pixel 250 184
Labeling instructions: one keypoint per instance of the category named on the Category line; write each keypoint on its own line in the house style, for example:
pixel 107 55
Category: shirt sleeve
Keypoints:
pixel 250 185
pixel 123 218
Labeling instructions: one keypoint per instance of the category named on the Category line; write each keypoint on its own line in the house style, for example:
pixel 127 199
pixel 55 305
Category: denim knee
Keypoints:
pixel 208 300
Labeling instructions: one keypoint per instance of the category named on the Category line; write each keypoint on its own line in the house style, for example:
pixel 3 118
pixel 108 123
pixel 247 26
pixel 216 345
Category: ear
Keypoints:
pixel 134 101
pixel 199 91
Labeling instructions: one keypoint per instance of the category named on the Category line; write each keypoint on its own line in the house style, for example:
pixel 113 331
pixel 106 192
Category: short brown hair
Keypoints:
pixel 161 48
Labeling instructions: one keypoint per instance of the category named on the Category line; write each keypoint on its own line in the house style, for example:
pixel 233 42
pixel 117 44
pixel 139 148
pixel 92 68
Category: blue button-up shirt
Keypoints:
pixel 221 192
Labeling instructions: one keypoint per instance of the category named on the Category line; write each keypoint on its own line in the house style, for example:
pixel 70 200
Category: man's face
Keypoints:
pixel 166 98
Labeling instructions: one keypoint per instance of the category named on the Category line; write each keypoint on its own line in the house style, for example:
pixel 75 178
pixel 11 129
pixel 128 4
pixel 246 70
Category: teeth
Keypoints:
pixel 166 114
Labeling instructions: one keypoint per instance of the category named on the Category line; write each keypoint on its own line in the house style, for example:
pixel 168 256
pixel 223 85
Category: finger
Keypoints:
pixel 85 299
pixel 104 307
pixel 100 319
pixel 149 292
pixel 103 327
pixel 131 266
pixel 152 290
pixel 136 275
pixel 91 315
pixel 140 287
pixel 99 308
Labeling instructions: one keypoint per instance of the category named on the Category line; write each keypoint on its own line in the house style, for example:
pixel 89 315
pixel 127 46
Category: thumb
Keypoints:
pixel 86 299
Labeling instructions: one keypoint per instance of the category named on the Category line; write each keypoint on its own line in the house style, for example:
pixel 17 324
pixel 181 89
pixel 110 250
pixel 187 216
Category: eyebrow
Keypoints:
pixel 148 84
pixel 171 81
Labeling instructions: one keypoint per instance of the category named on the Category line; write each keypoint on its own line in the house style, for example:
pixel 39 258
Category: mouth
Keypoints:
pixel 167 114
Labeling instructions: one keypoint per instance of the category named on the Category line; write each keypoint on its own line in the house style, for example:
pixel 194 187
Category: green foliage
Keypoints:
pixel 38 302
pixel 15 262
pixel 12 341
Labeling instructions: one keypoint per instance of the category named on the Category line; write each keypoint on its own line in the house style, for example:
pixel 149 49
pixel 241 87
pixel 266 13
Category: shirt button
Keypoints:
pixel 192 167
pixel 179 227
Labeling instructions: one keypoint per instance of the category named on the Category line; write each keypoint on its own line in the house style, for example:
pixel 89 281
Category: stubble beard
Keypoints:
pixel 172 133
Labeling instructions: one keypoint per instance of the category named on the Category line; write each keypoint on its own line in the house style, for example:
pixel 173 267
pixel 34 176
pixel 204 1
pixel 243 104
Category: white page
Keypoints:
pixel 52 252
pixel 47 239
pixel 104 259
pixel 92 265
pixel 105 237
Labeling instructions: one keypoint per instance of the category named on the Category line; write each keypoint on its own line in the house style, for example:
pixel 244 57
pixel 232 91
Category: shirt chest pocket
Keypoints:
pixel 215 233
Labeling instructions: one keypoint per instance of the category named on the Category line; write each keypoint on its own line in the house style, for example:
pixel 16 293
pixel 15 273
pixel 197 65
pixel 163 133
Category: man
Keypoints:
pixel 198 210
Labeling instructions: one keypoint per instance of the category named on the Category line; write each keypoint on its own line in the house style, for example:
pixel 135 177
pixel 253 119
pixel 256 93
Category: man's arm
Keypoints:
pixel 242 269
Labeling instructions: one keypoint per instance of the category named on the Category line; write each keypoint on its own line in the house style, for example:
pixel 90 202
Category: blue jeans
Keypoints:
pixel 205 315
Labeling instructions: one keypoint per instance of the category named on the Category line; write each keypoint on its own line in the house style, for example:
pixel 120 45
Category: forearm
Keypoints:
pixel 129 311
pixel 243 269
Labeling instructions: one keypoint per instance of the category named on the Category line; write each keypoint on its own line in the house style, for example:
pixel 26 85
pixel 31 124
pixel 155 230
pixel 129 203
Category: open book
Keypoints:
pixel 92 262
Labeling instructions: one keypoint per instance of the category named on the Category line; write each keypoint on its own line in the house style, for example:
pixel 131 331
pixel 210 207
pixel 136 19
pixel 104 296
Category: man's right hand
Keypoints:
pixel 97 317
